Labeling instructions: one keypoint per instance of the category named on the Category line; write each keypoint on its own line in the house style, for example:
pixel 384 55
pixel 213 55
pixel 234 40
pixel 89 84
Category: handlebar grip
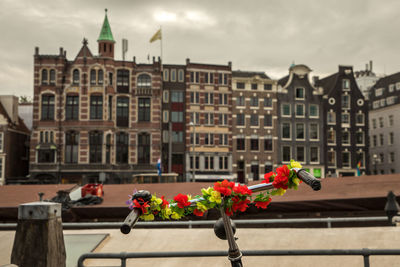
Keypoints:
pixel 306 177
pixel 130 221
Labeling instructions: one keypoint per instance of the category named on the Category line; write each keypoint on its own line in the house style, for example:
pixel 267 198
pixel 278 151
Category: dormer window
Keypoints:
pixel 93 77
pixel 75 77
pixel 346 84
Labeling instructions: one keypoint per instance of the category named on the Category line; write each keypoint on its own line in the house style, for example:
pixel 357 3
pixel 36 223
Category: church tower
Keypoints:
pixel 106 40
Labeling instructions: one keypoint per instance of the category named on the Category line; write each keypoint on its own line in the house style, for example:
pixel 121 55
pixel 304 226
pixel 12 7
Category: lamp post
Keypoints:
pixel 375 160
pixel 193 151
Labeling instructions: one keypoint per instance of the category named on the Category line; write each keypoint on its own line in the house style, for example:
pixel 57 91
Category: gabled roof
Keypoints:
pixel 328 83
pixel 249 74
pixel 20 126
pixel 385 81
pixel 105 33
pixel 85 51
pixel 283 81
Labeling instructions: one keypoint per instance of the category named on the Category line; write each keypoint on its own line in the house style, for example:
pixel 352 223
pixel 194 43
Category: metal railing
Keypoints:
pixel 190 224
pixel 366 253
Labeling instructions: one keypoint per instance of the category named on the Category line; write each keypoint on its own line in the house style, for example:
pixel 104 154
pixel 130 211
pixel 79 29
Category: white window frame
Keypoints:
pixel 166 75
pixel 349 163
pixel 304 111
pixel 311 147
pixel 290 110
pixel 317 108
pixel 1 142
pixel 290 131
pixel 314 139
pixel 304 93
pixel 334 157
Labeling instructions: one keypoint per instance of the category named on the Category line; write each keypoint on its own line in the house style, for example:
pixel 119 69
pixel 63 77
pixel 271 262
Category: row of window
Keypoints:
pixel 300 154
pixel 346 138
pixel 254 143
pixel 381 122
pixel 254 120
pixel 97 147
pixel 254 101
pixel 209 162
pixel 391 100
pixel 209 98
pixel 300 131
pixel 209 77
pixel 254 86
pixel 381 160
pixel 313 110
pixel 210 139
pixel 331 118
pixel 170 75
pixel 381 139
pixel 345 157
pixel 96 108
pixel 391 87
pixel 209 118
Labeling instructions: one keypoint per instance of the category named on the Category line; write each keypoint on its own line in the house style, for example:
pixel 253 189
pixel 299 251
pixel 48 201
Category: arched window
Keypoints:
pixel 44 77
pixel 144 80
pixel 92 77
pixel 95 146
pixel 122 145
pixel 143 148
pixel 100 77
pixel 75 77
pixel 71 147
pixel 52 77
pixel 47 107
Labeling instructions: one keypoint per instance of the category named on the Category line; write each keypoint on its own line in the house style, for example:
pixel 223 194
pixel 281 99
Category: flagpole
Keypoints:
pixel 161 41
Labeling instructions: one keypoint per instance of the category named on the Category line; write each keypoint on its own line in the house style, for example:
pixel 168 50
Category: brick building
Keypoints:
pixel 254 126
pixel 95 118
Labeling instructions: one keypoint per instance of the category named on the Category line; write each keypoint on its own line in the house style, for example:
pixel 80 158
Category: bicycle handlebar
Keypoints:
pixel 307 178
pixel 130 221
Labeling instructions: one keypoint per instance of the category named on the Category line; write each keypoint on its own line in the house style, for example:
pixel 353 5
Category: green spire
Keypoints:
pixel 106 34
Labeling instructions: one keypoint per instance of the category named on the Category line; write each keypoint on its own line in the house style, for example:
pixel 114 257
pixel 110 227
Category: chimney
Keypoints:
pixel 370 65
pixel 187 61
pixel 134 59
pixel 230 64
pixel 36 51
pixel 61 51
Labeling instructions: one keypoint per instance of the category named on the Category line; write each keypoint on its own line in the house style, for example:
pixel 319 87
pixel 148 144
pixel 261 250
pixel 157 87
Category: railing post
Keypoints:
pixel 366 255
pixel 329 222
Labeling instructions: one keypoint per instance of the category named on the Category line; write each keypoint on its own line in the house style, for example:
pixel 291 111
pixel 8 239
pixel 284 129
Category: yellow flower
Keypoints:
pixel 201 206
pixel 296 181
pixel 175 216
pixel 215 197
pixel 165 213
pixel 148 217
pixel 295 164
pixel 207 191
pixel 280 192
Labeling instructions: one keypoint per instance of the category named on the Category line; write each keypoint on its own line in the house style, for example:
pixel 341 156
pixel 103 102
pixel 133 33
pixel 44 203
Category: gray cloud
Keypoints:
pixel 254 35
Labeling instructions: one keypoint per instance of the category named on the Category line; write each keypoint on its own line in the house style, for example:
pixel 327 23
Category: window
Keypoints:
pixel 254 143
pixel 177 116
pixel 240 119
pixel 197 138
pixel 165 96
pixel 299 93
pixel 345 138
pixel 391 157
pixel 100 77
pixel 331 158
pixel 122 146
pixel 345 159
pixel 208 118
pixel 75 77
pixel 314 131
pixel 346 101
pixel 268 143
pixel 223 119
pixel 346 84
pixel 209 139
pixel 108 148
pixel 93 78
pixel 286 130
pixel 110 78
pixel 391 121
pixel 181 76
pixel 47 107
pixel 208 162
pixel 173 75
pixel 378 91
pixel 331 117
pixel 267 102
pixel 391 138
pixel 223 139
pixel 144 81
pixel 359 138
pixel 381 142
pixel 72 108
pixel 391 88
pixel 374 123
pixel 144 109
pixel 95 146
pixel 268 167
pixel 239 85
pixel 122 111
pixel 380 122
pixel 46 155
pixel 314 111
pixel 286 154
pixel 44 77
pixel 375 143
pixel 299 110
pixel 255 171
pixel 71 147
pixel 254 120
pixel 382 157
pixel 96 107
pixel 223 78
pixel 331 136
pixel 267 86
pixel 286 110
pixel 176 96
pixel 209 98
pixel 52 77
pixel 300 151
pixel 166 75
pixel 194 77
pixel 240 101
pixel 254 86
pixel 345 118
pixel 144 148
pixel 2 141
pixel 314 154
pixel 209 77
pixel 300 131
pixel 195 117
pixel 267 120
pixel 223 163
pixel 223 99
pixel 254 101
pixel 360 119
pixel 240 143
pixel 177 137
pixel 194 97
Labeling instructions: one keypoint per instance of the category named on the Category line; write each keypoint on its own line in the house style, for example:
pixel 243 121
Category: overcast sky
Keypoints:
pixel 265 35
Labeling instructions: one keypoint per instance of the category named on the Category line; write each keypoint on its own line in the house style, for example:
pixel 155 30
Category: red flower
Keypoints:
pixel 242 190
pixel 262 204
pixel 224 187
pixel 164 202
pixel 182 201
pixel 241 205
pixel 198 212
pixel 143 207
pixel 283 171
pixel 267 177
pixel 282 178
pixel 228 211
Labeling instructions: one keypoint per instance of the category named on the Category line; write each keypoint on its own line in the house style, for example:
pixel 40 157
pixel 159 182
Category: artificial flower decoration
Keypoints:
pixel 227 195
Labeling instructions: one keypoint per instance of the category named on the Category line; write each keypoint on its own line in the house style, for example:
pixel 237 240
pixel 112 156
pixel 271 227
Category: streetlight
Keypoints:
pixel 194 142
pixel 375 161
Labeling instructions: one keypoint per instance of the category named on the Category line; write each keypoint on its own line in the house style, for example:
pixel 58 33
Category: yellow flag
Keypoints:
pixel 156 36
